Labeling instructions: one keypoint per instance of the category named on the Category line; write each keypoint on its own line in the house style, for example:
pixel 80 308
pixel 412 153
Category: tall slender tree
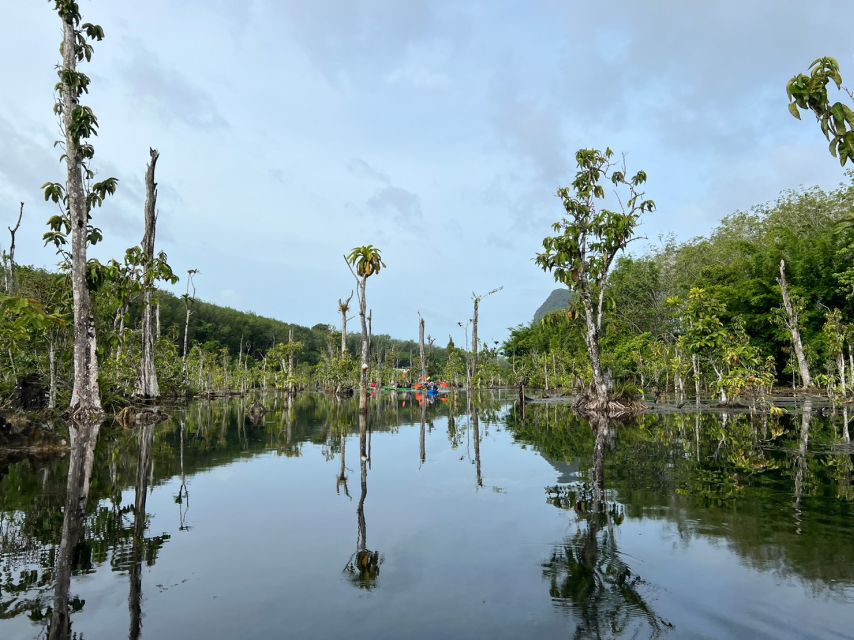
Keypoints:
pixel 77 197
pixel 364 262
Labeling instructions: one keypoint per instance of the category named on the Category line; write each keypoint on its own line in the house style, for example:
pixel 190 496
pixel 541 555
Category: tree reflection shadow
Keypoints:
pixel 83 436
pixel 587 572
pixel 140 547
pixel 363 568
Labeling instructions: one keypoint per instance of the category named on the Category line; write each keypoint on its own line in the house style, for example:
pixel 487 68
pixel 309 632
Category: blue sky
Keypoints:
pixel 291 131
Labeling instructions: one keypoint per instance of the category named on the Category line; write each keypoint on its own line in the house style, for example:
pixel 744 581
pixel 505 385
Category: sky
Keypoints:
pixel 291 131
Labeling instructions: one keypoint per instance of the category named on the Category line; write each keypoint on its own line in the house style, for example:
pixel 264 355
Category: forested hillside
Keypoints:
pixel 227 350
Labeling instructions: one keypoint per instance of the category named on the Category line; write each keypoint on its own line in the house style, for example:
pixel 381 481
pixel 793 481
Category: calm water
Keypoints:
pixel 458 521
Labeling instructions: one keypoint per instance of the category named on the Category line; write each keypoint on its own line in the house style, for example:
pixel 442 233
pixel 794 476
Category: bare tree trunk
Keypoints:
pixel 363 375
pixel 85 395
pixel 157 319
pixel 474 340
pixel 51 358
pixel 186 333
pixel 121 331
pixel 600 387
pixel 695 363
pixel 421 348
pixel 344 308
pixel 721 390
pixel 850 366
pixel 11 281
pixel 148 386
pixel 793 322
pixel 291 357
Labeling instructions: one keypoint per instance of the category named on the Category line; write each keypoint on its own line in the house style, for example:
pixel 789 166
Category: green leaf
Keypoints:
pixel 793 109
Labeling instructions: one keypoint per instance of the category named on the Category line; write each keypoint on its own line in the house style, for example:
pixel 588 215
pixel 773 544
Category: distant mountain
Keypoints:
pixel 558 299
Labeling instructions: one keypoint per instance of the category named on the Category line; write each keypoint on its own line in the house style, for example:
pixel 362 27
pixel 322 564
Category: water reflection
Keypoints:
pixel 83 437
pixel 138 549
pixel 475 425
pixel 768 497
pixel 182 499
pixel 801 467
pixel 364 565
pixel 587 573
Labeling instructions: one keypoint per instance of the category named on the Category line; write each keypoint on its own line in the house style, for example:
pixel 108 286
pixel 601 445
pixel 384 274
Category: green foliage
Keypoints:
pixel 836 119
pixel 591 235
pixel 367 260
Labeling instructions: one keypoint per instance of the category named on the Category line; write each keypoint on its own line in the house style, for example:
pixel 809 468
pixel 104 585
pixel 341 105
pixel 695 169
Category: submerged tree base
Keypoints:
pixel 130 416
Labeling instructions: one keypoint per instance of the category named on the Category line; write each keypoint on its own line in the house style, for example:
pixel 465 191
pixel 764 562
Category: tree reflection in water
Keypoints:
pixel 82 437
pixel 363 567
pixel 139 545
pixel 587 572
pixel 475 425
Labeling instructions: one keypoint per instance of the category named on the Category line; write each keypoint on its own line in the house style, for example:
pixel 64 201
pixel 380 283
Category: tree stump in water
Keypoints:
pixel 130 416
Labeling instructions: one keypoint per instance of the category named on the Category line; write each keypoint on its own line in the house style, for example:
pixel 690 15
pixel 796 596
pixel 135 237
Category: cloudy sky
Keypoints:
pixel 292 130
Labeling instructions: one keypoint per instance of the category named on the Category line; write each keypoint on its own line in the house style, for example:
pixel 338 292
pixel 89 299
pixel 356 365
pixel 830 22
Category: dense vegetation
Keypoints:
pixel 228 350
pixel 718 299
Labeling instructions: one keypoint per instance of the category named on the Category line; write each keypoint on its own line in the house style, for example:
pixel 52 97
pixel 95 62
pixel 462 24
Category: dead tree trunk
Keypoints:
pixel 474 339
pixel 793 324
pixel 148 386
pixel 344 308
pixel 421 348
pixel 476 299
pixel 11 281
pixel 188 302
pixel 291 357
pixel 51 359
pixel 85 394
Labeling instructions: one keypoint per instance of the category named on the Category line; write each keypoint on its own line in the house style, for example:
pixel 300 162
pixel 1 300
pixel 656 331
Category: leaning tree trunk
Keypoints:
pixel 363 374
pixel 793 322
pixel 85 394
pixel 148 386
